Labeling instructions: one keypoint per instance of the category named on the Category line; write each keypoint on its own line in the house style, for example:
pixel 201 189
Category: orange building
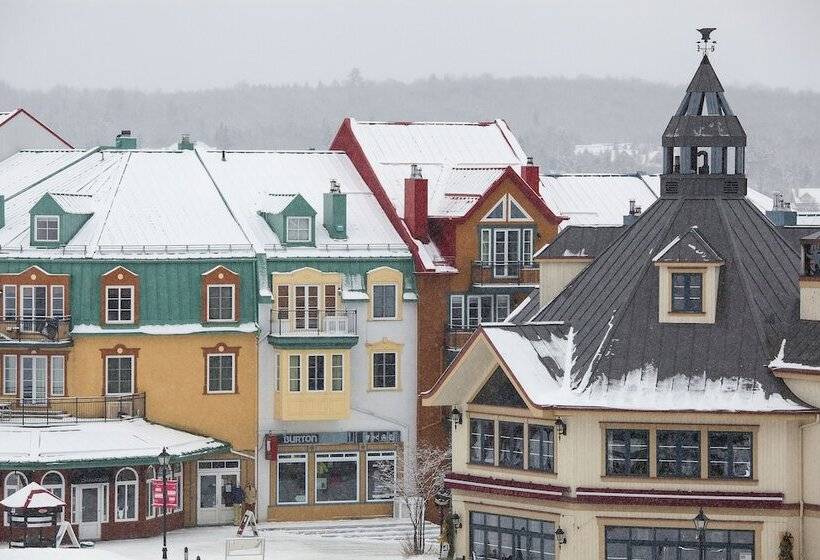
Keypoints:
pixel 465 198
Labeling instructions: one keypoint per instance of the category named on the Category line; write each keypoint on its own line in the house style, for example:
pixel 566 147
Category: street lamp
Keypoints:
pixel 164 460
pixel 701 521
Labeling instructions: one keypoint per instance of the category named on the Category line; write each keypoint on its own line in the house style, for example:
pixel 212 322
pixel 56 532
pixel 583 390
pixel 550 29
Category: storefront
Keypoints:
pixel 329 475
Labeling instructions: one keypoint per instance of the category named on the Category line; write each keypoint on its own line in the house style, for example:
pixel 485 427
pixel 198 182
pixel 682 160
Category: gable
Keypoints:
pixel 499 391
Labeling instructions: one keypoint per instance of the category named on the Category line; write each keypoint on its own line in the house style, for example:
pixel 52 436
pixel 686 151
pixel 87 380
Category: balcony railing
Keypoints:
pixel 70 410
pixel 489 272
pixel 313 322
pixel 35 329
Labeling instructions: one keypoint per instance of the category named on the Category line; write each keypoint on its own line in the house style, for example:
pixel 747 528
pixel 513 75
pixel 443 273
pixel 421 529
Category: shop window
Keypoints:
pixel 9 374
pixel 337 477
pixel 221 373
pixel 58 376
pixel 381 475
pixel 384 370
pixel 337 372
pixel 482 441
pixel 291 478
pixel 150 510
pixel 683 544
pixel 511 445
pixel 294 373
pixel 119 375
pixel 730 455
pixel 126 491
pixel 500 536
pixel 221 303
pixel 316 372
pixel 678 453
pixel 119 304
pixel 627 452
pixel 384 301
pixel 541 448
pixel 13 482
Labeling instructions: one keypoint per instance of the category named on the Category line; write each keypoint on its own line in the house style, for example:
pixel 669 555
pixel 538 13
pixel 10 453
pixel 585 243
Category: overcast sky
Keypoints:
pixel 176 44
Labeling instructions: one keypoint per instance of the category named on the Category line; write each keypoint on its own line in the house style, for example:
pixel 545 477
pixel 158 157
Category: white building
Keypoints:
pixel 19 130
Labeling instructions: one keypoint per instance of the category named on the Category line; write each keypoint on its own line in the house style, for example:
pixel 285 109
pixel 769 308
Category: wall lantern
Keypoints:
pixel 456 417
pixel 560 426
pixel 560 536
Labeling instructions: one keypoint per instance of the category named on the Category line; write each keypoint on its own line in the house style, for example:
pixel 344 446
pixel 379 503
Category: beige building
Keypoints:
pixel 674 373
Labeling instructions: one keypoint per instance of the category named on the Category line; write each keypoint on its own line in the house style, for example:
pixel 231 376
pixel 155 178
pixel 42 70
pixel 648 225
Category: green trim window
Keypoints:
pixel 299 229
pixel 221 302
pixel 119 375
pixel 678 453
pixel 494 537
pixel 482 441
pixel 384 370
pixel 47 229
pixel 511 445
pixel 541 448
pixel 337 372
pixel 730 454
pixel 627 452
pixel 221 373
pixel 661 543
pixel 294 373
pixel 384 301
pixel 316 372
pixel 687 292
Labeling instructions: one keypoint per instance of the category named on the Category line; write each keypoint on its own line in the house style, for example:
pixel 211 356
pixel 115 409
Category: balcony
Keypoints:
pixel 504 273
pixel 313 328
pixel 70 410
pixel 43 331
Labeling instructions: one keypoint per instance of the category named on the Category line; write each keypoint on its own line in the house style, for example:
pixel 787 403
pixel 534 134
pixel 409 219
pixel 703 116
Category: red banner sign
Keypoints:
pixel 157 493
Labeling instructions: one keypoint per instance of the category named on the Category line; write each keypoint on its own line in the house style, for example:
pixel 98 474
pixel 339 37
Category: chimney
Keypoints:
pixel 634 213
pixel 335 211
pixel 529 173
pixel 185 142
pixel 781 213
pixel 415 204
pixel 125 141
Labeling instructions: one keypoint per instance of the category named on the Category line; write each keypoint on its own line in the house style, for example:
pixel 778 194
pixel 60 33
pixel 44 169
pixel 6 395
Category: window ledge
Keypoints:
pixel 686 313
pixel 511 471
pixel 683 480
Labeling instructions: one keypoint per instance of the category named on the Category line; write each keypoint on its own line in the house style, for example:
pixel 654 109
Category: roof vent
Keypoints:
pixel 634 213
pixel 334 186
pixel 781 213
pixel 415 171
pixel 125 141
pixel 185 142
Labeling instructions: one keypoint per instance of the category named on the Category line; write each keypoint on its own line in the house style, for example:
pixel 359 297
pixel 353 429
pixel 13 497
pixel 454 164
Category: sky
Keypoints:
pixel 193 44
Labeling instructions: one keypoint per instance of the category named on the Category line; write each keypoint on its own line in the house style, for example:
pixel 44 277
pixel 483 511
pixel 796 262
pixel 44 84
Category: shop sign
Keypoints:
pixel 157 493
pixel 336 438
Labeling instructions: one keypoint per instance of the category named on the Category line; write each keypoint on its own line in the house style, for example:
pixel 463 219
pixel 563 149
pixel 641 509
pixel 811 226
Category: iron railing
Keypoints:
pixel 35 328
pixel 510 272
pixel 70 410
pixel 313 322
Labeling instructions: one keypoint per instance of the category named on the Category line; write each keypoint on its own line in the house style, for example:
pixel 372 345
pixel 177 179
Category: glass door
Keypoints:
pixel 506 252
pixel 33 369
pixel 307 307
pixel 217 479
pixel 88 509
pixel 33 312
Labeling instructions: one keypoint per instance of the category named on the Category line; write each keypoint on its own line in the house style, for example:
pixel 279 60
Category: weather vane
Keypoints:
pixel 706 45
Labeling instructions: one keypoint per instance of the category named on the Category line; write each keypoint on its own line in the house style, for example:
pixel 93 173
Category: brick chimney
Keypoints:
pixel 415 203
pixel 529 173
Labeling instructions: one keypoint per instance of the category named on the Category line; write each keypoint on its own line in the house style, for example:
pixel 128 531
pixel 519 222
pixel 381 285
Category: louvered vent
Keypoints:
pixel 731 187
pixel 670 187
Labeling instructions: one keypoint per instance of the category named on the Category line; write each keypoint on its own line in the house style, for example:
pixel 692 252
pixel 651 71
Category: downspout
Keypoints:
pixel 802 501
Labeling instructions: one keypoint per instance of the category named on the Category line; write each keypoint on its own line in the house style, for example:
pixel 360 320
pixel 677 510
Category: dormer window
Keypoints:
pixel 687 292
pixel 299 229
pixel 47 228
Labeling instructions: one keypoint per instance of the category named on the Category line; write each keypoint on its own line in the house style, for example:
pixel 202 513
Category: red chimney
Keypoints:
pixel 415 204
pixel 529 173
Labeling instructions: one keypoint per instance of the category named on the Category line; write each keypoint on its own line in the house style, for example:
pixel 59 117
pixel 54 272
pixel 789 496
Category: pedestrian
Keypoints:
pixel 250 497
pixel 237 499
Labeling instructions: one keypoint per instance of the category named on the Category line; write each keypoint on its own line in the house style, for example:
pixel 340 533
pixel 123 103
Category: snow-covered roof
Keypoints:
pixel 27 167
pixel 32 496
pixel 74 203
pixel 248 179
pixel 120 442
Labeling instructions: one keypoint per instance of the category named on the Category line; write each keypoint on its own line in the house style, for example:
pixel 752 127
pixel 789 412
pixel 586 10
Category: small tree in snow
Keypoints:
pixel 415 485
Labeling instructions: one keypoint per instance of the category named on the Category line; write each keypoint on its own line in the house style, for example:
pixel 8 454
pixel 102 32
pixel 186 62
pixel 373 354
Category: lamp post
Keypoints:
pixel 164 460
pixel 701 521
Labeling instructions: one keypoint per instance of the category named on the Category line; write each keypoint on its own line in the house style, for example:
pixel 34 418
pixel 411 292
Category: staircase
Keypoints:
pixel 383 529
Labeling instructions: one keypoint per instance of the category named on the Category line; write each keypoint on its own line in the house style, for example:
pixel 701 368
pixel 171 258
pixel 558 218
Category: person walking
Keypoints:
pixel 238 501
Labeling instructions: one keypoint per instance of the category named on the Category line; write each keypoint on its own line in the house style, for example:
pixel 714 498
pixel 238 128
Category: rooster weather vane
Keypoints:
pixel 706 45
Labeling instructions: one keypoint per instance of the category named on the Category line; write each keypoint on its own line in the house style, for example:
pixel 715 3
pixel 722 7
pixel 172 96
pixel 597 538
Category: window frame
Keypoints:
pixel 16 377
pixel 37 219
pixel 456 298
pixel 119 287
pixel 334 369
pixel 57 358
pixel 498 299
pixel 687 288
pixel 502 424
pixel 208 357
pixel 542 454
pixel 652 543
pixel 678 452
pixel 336 457
pixel 730 450
pixel 395 314
pixel 298 378
pixel 8 289
pixel 482 435
pixel 288 229
pixel 150 510
pixel 292 458
pixel 129 357
pixel 6 492
pixel 511 525
pixel 323 377
pixel 232 318
pixel 374 368
pixel 128 483
pixel 375 457
pixel 628 460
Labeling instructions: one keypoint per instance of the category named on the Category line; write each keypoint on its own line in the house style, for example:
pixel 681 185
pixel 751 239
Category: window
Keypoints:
pixel 119 304
pixel 482 441
pixel 9 302
pixel 282 301
pixel 330 300
pixel 14 481
pixel 541 448
pixel 291 478
pixel 502 307
pixel 220 303
pixel 494 537
pixel 381 475
pixel 9 374
pixel 58 376
pixel 497 213
pixel 678 453
pixel 627 452
pixel 384 301
pixel 176 474
pixel 316 373
pixel 730 455
pixel 337 372
pixel 456 312
pixel 119 375
pixel 516 212
pixel 384 370
pixel 126 488
pixel 479 310
pixel 686 292
pixel 337 477
pixel 295 373
pixel 46 228
pixel 221 373
pixel 511 445
pixel 298 229
pixel 486 247
pixel 150 510
pixel 677 544
pixel 526 247
pixel 58 301
pixel 54 483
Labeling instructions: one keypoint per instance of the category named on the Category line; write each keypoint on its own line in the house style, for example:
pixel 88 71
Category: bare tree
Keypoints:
pixel 415 485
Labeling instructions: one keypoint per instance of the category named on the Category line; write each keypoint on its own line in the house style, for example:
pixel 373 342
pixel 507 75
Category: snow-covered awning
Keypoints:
pixel 32 496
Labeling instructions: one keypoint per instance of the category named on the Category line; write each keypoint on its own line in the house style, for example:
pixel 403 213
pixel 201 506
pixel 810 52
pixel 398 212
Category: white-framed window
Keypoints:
pixel 499 211
pixel 58 376
pixel 9 302
pixel 384 301
pixel 291 478
pixel 58 301
pixel 119 304
pixel 298 229
pixel 526 247
pixel 221 373
pixel 176 474
pixel 337 372
pixel 150 510
pixel 46 228
pixel 381 475
pixel 337 478
pixel 294 373
pixel 316 372
pixel 502 306
pixel 479 310
pixel 456 312
pixel 384 370
pixel 14 481
pixel 276 373
pixel 486 246
pixel 10 374
pixel 119 375
pixel 221 305
pixel 54 482
pixel 517 214
pixel 127 495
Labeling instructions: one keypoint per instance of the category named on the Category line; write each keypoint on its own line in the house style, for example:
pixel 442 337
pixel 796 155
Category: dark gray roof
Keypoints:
pixel 793 234
pixel 580 241
pixel 803 344
pixel 691 247
pixel 705 78
pixel 528 308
